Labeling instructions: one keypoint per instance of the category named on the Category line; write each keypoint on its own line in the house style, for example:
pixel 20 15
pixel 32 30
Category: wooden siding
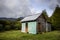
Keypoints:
pixel 42 22
pixel 39 28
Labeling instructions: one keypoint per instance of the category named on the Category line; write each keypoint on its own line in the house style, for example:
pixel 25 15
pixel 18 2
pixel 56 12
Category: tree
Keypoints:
pixel 55 18
pixel 45 14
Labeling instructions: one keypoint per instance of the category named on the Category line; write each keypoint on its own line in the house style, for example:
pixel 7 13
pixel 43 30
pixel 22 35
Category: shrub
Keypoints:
pixel 7 27
pixel 1 27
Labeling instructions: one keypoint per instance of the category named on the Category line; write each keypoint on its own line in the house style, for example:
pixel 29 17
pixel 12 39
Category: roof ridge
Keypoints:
pixel 33 14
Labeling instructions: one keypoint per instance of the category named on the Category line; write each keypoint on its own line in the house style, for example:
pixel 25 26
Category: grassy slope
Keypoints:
pixel 17 35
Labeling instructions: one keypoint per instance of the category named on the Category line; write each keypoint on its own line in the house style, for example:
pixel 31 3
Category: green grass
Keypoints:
pixel 17 35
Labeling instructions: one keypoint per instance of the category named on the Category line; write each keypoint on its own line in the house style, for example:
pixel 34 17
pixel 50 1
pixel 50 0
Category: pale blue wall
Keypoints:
pixel 32 27
pixel 48 27
pixel 23 27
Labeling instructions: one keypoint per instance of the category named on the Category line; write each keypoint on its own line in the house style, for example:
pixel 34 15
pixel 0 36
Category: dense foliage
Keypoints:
pixel 9 25
pixel 55 18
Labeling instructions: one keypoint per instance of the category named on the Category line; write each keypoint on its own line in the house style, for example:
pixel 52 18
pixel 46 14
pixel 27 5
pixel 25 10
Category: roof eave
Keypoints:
pixel 28 21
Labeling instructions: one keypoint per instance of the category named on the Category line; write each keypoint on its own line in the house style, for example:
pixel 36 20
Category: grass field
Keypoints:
pixel 17 35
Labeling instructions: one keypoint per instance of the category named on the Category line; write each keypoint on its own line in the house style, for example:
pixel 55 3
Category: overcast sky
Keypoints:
pixel 19 8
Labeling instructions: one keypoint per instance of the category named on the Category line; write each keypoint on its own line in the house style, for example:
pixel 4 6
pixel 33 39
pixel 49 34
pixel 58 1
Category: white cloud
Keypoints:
pixel 35 11
pixel 49 5
pixel 14 8
pixel 18 8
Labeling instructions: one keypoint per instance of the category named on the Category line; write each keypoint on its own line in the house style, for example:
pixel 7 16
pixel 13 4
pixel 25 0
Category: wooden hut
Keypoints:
pixel 35 24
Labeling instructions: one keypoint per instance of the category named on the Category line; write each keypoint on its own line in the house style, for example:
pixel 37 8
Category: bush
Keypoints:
pixel 1 27
pixel 7 27
pixel 17 26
